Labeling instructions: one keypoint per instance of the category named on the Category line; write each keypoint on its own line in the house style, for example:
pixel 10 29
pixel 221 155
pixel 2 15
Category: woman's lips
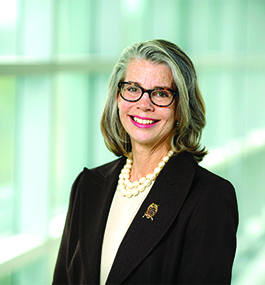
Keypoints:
pixel 143 122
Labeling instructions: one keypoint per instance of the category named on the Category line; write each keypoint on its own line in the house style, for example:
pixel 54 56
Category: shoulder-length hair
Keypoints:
pixel 190 107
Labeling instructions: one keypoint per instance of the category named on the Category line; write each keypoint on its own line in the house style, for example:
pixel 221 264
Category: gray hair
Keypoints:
pixel 190 107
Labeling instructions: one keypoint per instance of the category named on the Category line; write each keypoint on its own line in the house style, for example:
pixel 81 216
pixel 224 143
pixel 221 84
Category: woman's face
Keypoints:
pixel 146 123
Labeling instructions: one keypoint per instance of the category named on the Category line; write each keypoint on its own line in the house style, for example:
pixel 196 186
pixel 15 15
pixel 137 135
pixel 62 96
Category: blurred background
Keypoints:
pixel 56 57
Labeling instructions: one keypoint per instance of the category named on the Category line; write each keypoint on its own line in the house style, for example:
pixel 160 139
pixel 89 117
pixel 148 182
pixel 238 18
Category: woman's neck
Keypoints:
pixel 145 160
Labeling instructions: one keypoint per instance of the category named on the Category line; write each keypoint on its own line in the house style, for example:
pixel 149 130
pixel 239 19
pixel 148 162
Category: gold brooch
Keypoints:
pixel 151 211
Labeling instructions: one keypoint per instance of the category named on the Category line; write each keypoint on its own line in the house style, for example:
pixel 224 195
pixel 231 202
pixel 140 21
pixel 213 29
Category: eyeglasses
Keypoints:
pixel 161 97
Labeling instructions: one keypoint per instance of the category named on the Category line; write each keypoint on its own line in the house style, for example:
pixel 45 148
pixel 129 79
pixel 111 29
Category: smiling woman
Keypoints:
pixel 153 216
pixel 167 62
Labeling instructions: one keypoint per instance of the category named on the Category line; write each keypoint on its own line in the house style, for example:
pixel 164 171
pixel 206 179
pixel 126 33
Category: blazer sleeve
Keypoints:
pixel 69 237
pixel 210 241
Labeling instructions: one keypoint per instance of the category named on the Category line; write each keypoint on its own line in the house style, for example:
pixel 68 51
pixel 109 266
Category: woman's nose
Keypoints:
pixel 145 103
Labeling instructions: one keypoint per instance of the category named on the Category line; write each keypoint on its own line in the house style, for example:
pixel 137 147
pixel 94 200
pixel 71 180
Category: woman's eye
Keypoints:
pixel 161 94
pixel 133 89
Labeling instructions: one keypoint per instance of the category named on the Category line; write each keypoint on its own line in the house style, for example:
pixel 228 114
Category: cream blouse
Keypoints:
pixel 121 215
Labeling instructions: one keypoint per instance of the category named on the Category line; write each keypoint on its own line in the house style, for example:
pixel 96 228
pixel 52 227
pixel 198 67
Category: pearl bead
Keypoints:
pixel 151 176
pixel 147 183
pixel 135 192
pixel 128 184
pixel 161 164
pixel 142 179
pixel 157 170
pixel 165 158
pixel 136 184
pixel 141 188
pixel 123 192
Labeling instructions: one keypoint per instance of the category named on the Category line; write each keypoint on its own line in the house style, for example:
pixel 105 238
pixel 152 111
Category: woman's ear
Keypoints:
pixel 176 109
pixel 119 100
pixel 176 116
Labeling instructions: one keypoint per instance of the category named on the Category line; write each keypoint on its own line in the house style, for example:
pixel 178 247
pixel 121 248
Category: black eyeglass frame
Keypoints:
pixel 149 91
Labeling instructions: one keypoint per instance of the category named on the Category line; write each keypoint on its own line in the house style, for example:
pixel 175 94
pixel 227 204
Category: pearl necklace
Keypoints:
pixel 129 189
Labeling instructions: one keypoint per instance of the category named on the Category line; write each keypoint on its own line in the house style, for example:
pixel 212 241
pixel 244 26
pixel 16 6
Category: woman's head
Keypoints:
pixel 189 104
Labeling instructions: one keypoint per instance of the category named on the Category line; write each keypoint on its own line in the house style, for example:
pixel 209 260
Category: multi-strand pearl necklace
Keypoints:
pixel 129 189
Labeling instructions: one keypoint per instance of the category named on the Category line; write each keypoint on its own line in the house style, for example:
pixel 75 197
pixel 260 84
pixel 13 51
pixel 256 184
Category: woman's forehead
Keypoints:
pixel 146 72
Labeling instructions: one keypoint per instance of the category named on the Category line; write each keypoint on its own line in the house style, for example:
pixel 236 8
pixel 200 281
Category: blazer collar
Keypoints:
pixel 169 192
pixel 98 189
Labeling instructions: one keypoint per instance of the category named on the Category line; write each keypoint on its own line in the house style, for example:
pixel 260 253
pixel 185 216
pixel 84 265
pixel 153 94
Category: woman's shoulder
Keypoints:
pixel 101 170
pixel 202 177
pixel 214 193
pixel 106 168
pixel 96 174
pixel 206 176
pixel 213 186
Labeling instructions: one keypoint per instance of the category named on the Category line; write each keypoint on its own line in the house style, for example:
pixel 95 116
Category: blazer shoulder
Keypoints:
pixel 208 184
pixel 206 177
pixel 105 169
pixel 97 174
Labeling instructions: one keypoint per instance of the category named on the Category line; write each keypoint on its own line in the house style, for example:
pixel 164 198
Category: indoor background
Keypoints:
pixel 56 57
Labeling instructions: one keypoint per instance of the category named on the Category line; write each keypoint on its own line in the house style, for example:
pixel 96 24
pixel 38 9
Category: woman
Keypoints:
pixel 153 216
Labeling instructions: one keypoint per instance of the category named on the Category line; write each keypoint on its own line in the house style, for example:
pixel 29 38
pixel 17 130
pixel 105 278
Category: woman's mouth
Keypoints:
pixel 143 122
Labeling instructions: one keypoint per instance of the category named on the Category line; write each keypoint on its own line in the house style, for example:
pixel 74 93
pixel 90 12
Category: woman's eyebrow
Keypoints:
pixel 156 87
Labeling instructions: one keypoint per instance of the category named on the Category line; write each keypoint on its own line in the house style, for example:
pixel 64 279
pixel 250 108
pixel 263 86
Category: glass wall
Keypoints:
pixel 56 57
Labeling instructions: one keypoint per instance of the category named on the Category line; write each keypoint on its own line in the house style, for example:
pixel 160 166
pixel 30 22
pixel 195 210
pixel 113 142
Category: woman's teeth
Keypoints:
pixel 143 122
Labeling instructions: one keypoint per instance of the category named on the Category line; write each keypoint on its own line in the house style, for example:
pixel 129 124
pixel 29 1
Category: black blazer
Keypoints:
pixel 192 239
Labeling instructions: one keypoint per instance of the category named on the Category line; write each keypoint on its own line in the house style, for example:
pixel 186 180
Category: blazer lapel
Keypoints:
pixel 169 192
pixel 101 185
